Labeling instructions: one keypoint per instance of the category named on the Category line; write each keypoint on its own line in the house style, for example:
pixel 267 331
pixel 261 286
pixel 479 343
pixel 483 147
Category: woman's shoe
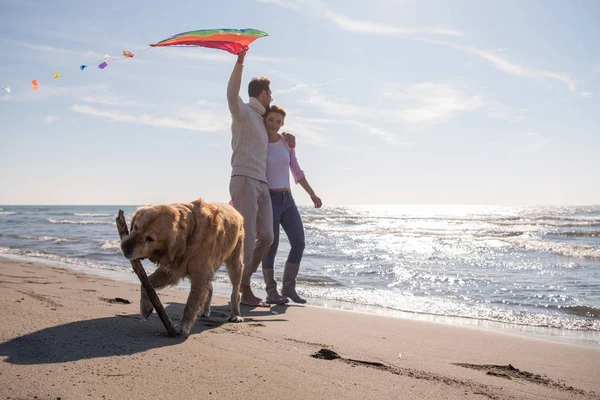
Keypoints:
pixel 273 296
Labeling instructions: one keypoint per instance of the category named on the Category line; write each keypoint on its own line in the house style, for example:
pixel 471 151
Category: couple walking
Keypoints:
pixel 260 189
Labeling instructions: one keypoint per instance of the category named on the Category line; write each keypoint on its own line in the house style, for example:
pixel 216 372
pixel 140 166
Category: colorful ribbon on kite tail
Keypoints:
pixel 232 40
pixel 126 54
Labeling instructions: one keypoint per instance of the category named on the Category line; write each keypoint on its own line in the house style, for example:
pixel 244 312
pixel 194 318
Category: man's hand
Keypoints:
pixel 291 139
pixel 241 57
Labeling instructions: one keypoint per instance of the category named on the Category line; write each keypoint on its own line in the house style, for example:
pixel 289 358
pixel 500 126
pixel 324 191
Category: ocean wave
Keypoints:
pixel 593 219
pixel 410 232
pixel 9 213
pixel 565 249
pixel 61 259
pixel 545 223
pixel 594 233
pixel 582 311
pixel 318 281
pixel 330 223
pixel 548 218
pixel 91 215
pixel 455 233
pixel 44 238
pixel 111 245
pixel 70 222
pixel 499 234
pixel 448 308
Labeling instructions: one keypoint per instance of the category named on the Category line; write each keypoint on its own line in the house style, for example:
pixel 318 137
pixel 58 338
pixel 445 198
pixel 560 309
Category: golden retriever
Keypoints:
pixel 189 240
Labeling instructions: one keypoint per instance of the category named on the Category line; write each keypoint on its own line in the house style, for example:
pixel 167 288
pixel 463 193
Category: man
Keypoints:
pixel 248 187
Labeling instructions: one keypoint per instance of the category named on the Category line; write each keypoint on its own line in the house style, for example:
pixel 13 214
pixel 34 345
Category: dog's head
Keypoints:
pixel 159 233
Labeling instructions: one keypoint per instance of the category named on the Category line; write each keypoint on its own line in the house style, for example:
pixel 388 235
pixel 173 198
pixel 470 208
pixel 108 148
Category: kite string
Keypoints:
pixel 136 54
pixel 7 89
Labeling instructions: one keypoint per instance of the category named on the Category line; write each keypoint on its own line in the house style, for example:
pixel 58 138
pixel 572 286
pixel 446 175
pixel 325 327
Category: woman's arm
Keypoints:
pixel 300 178
pixel 315 199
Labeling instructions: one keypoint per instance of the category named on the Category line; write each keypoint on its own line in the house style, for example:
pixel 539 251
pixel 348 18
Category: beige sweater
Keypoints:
pixel 249 140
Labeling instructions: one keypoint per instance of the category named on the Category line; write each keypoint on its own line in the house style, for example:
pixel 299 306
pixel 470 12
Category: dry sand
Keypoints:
pixel 63 336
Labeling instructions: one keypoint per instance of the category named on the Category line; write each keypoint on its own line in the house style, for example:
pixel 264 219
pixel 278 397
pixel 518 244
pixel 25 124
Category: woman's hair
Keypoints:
pixel 257 85
pixel 275 109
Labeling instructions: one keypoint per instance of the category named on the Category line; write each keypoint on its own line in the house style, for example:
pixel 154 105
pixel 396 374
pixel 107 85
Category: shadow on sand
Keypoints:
pixel 119 335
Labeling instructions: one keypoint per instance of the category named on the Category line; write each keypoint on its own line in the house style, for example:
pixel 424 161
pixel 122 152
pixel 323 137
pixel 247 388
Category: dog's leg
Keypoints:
pixel 159 279
pixel 195 301
pixel 206 309
pixel 235 268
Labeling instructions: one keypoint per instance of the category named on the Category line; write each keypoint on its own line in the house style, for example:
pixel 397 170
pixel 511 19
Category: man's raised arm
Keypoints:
pixel 233 88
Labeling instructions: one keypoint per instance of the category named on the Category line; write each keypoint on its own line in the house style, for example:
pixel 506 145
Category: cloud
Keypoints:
pixel 50 119
pixel 268 59
pixel 282 3
pixel 306 87
pixel 212 56
pixel 335 108
pixel 313 133
pixel 47 91
pixel 364 26
pixel 372 130
pixel 501 111
pixel 425 102
pixel 586 94
pixel 222 57
pixel 56 50
pixel 352 122
pixel 311 95
pixel 350 24
pixel 294 88
pixel 200 120
pixel 40 47
pixel 510 67
pixel 315 130
pixel 108 100
pixel 432 102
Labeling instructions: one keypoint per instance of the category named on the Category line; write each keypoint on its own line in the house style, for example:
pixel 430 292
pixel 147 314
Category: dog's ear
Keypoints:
pixel 132 222
pixel 183 227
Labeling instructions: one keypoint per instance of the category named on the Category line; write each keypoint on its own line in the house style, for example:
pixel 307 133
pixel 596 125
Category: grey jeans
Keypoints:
pixel 251 198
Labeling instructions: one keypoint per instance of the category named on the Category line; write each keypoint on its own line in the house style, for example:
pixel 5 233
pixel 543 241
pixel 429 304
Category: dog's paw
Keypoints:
pixel 235 318
pixel 205 313
pixel 145 308
pixel 182 330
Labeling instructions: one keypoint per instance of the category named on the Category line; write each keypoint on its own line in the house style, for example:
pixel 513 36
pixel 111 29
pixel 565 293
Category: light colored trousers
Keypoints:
pixel 252 199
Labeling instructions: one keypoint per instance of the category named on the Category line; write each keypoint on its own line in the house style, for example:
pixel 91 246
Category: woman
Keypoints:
pixel 280 160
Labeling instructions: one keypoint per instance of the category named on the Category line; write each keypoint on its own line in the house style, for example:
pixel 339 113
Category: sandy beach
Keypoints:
pixel 65 336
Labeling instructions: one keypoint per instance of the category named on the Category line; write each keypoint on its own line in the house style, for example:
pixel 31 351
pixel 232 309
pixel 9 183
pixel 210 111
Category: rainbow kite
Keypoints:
pixel 232 40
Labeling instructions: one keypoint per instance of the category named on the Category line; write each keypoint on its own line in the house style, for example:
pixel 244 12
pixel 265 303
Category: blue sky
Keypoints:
pixel 392 102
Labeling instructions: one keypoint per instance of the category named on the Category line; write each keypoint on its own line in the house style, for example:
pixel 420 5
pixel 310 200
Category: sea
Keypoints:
pixel 531 271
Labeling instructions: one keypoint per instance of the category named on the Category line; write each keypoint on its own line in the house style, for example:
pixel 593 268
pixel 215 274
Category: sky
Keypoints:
pixel 391 101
